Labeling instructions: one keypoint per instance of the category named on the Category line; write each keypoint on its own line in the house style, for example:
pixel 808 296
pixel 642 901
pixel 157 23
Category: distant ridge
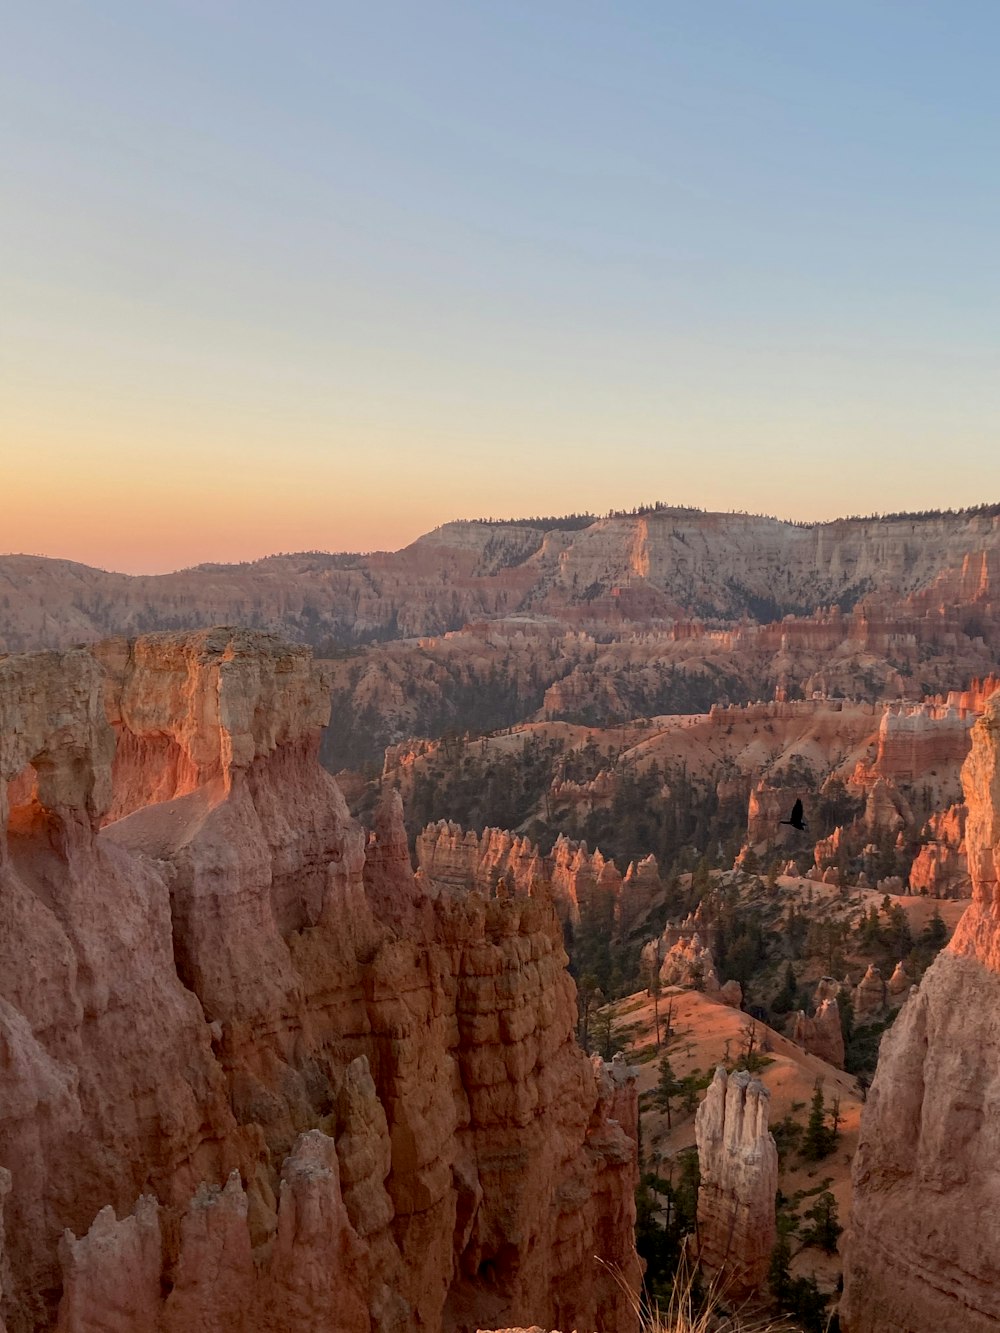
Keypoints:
pixel 652 566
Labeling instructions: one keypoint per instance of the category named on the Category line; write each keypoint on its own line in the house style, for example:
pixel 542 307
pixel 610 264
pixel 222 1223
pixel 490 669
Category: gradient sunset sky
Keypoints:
pixel 294 276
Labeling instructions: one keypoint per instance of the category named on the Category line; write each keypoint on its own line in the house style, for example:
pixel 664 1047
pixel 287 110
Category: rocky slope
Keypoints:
pixel 924 1235
pixel 881 785
pixel 252 1075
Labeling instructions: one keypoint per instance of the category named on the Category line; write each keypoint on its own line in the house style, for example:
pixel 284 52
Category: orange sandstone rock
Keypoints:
pixel 941 867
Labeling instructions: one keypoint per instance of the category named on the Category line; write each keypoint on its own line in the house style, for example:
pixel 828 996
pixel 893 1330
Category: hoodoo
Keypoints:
pixel 739 1177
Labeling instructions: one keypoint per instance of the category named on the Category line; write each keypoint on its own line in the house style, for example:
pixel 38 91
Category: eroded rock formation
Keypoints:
pixel 449 857
pixel 941 867
pixel 254 1075
pixel 925 1232
pixel 738 1160
pixel 767 807
pixel 902 576
pixel 869 994
pixel 821 1034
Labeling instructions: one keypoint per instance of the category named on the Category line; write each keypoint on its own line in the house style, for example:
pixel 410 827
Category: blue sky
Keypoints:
pixel 319 275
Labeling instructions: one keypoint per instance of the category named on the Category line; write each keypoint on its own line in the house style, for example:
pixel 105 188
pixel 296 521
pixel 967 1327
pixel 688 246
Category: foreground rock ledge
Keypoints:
pixel 253 1077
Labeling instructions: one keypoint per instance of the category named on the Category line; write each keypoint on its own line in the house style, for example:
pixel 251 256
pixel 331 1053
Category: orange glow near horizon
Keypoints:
pixel 151 512
pixel 210 483
pixel 153 523
pixel 275 285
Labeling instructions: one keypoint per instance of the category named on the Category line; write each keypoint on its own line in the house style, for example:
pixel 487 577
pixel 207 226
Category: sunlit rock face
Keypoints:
pixel 922 1253
pixel 941 866
pixel 252 1075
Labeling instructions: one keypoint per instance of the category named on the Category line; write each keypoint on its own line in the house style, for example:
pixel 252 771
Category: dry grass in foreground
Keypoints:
pixel 694 1311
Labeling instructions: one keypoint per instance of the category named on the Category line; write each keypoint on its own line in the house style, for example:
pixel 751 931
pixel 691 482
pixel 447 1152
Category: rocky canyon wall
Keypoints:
pixel 922 1254
pixel 253 1074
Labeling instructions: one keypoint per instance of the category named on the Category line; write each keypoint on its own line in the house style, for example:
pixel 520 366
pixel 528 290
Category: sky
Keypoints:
pixel 322 276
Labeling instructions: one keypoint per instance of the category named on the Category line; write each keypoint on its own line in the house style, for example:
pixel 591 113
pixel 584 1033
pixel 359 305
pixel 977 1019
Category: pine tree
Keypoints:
pixel 785 998
pixel 818 1140
pixel 668 1087
pixel 779 1277
pixel 935 933
pixel 825 1226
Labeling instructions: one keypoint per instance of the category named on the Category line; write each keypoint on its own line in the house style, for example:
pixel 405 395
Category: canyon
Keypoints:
pixel 286 911
pixel 255 1075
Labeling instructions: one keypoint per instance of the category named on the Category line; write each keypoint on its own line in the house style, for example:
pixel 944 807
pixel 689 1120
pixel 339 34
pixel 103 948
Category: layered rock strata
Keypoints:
pixel 925 1231
pixel 738 1161
pixel 253 1075
pixel 670 564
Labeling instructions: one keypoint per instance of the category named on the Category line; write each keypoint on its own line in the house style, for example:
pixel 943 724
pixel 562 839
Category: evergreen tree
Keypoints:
pixel 900 938
pixel 845 1004
pixel 819 1140
pixel 935 933
pixel 667 1088
pixel 779 1277
pixel 825 1227
pixel 785 999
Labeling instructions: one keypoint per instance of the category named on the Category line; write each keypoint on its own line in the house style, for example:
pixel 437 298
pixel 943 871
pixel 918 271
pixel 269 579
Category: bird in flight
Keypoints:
pixel 796 820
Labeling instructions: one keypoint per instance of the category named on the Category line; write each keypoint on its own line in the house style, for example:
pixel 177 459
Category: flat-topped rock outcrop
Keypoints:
pixel 668 564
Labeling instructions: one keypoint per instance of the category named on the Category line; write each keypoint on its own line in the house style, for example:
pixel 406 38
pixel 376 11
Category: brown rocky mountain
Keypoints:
pixel 253 1059
pixel 253 1075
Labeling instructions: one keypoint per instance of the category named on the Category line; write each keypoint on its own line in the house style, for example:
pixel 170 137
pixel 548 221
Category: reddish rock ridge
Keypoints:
pixel 918 739
pixel 738 1161
pixel 252 1076
pixel 447 856
pixel 924 1233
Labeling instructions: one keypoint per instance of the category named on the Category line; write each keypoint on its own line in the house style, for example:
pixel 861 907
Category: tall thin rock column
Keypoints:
pixel 738 1160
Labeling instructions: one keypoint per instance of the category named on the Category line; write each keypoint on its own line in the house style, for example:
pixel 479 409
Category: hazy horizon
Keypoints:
pixel 363 551
pixel 328 277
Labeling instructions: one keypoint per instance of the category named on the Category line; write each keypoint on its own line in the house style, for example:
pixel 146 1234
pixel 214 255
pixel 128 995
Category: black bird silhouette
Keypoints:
pixel 796 820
